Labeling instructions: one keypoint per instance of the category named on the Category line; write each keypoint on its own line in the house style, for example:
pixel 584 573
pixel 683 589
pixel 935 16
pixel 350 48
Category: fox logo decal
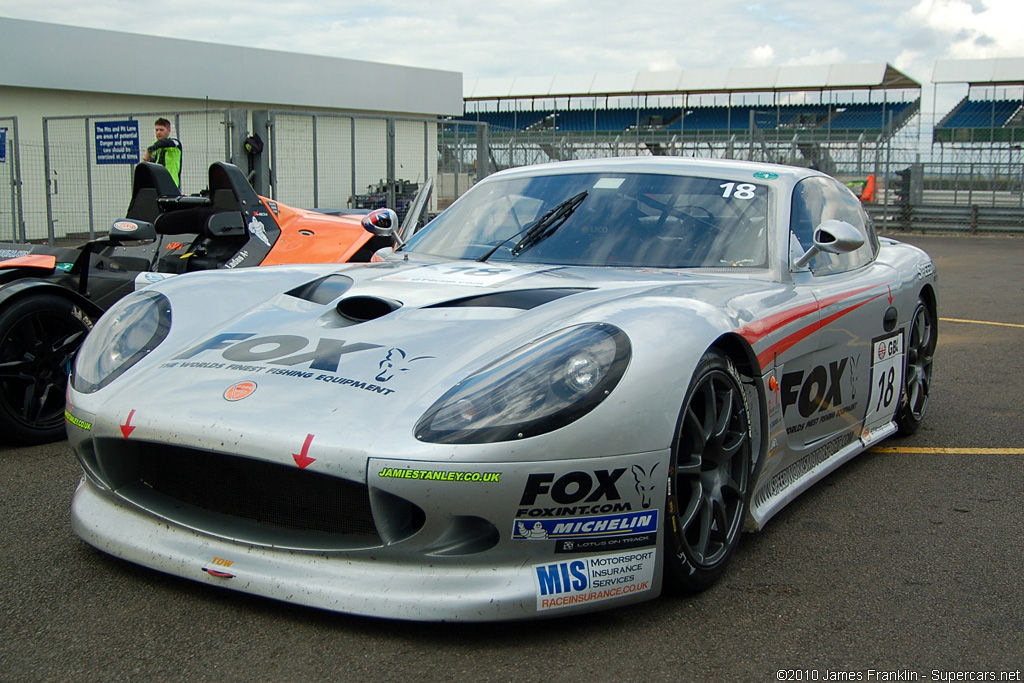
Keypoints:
pixel 644 484
pixel 395 362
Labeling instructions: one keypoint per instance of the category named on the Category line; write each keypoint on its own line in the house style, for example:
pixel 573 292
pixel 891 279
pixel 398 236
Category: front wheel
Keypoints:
pixel 917 377
pixel 709 476
pixel 39 336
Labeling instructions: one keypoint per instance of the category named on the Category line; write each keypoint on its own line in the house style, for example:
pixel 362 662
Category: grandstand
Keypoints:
pixel 806 117
pixel 846 119
pixel 992 112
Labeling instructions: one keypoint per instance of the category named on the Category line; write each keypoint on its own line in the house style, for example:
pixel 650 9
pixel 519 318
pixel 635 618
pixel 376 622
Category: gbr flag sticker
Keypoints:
pixel 886 381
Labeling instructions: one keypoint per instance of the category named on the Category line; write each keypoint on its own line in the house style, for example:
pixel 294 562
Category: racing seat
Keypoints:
pixel 218 224
pixel 149 182
pixel 220 218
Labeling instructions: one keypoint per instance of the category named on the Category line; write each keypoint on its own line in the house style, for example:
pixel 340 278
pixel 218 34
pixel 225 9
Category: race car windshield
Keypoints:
pixel 625 219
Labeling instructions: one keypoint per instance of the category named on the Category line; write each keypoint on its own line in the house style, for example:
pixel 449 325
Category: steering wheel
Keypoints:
pixel 696 217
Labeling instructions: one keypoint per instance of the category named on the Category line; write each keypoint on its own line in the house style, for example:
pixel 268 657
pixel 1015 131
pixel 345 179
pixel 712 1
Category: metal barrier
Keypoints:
pixel 966 220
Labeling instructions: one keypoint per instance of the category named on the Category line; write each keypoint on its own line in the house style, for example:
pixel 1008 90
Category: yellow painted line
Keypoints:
pixel 979 322
pixel 949 451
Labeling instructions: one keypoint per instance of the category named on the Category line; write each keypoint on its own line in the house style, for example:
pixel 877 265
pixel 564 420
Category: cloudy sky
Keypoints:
pixel 482 38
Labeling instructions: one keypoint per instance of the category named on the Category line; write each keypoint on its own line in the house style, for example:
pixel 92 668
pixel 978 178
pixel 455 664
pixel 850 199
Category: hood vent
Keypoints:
pixel 524 299
pixel 364 308
pixel 323 290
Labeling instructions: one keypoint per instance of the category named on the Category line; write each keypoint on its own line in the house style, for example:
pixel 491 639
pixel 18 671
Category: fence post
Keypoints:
pixel 236 120
pixel 391 181
pixel 13 160
pixel 51 186
pixel 426 149
pixel 974 218
pixel 88 183
pixel 316 165
pixel 260 176
pixel 483 155
pixel 352 150
pixel 970 186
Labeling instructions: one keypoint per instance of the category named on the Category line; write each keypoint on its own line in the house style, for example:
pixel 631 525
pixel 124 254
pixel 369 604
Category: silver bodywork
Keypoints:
pixel 565 521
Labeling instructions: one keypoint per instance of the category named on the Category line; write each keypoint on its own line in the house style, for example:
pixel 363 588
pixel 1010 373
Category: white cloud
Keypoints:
pixel 994 30
pixel 763 55
pixel 550 37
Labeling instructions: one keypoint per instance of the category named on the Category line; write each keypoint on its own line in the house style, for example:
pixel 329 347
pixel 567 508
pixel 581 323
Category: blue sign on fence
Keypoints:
pixel 3 145
pixel 117 142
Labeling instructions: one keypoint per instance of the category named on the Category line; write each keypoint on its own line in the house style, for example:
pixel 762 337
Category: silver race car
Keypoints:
pixel 573 389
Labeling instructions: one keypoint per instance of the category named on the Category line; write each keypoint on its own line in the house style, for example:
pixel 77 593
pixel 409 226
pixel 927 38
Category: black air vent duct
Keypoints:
pixel 363 308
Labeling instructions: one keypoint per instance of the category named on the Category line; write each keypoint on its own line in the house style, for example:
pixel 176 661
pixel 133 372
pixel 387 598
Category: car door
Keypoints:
pixel 827 394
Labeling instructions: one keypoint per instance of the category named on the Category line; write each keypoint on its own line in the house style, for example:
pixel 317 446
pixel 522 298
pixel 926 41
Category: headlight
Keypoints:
pixel 124 335
pixel 536 389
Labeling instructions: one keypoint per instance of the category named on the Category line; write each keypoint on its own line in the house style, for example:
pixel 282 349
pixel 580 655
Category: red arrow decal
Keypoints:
pixel 301 458
pixel 890 296
pixel 126 428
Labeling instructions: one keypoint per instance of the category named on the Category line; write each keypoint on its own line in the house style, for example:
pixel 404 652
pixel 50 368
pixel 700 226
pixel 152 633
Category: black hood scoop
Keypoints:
pixel 364 308
pixel 359 309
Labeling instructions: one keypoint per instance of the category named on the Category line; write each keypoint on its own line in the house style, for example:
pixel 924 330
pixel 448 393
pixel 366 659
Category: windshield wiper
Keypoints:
pixel 547 224
pixel 542 228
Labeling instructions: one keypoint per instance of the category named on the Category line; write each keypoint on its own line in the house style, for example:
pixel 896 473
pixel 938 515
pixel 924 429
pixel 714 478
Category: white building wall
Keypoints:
pixel 75 72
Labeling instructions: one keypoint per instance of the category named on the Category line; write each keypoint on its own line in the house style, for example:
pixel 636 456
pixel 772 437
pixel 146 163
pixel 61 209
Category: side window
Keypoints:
pixel 819 199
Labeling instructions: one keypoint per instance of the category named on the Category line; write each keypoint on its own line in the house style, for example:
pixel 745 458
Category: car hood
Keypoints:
pixel 353 357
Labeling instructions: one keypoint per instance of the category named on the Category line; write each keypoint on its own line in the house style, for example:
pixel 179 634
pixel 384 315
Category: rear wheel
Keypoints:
pixel 39 336
pixel 917 377
pixel 709 476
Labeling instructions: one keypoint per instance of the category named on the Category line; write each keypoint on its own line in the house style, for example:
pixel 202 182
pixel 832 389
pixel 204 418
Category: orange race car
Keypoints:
pixel 50 296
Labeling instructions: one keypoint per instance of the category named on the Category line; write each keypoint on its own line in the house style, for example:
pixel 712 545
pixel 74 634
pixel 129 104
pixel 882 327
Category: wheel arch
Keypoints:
pixel 21 289
pixel 742 355
pixel 739 352
pixel 930 299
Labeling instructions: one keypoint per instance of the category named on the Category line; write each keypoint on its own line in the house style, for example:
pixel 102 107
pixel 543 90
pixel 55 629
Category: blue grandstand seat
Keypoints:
pixel 982 114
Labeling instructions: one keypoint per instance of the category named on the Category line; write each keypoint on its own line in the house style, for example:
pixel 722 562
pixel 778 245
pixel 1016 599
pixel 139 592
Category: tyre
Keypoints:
pixel 39 336
pixel 709 476
pixel 917 375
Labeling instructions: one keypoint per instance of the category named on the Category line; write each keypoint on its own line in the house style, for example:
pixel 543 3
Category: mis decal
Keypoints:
pixel 593 579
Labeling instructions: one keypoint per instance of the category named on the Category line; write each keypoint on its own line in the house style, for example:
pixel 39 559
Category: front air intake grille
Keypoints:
pixel 276 497
pixel 261 491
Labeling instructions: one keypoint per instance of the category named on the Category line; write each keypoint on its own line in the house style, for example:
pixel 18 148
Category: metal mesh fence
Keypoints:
pixel 88 185
pixel 464 157
pixel 63 190
pixel 957 195
pixel 33 192
pixel 330 161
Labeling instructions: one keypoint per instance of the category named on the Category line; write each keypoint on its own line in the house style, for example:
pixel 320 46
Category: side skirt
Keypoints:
pixel 772 495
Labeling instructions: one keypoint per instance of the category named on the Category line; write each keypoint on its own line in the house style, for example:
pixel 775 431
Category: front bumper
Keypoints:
pixel 541 539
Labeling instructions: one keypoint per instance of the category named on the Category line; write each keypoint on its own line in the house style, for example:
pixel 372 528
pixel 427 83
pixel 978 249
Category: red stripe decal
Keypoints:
pixel 759 329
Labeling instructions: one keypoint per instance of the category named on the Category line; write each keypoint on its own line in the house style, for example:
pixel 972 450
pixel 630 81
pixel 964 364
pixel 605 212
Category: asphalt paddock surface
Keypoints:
pixel 903 565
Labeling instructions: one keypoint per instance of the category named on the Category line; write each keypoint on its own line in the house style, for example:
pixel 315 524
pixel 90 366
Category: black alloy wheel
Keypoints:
pixel 917 376
pixel 709 476
pixel 39 336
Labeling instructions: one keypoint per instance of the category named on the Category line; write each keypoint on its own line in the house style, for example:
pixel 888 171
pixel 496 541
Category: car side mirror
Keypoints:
pixel 832 237
pixel 381 222
pixel 131 230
